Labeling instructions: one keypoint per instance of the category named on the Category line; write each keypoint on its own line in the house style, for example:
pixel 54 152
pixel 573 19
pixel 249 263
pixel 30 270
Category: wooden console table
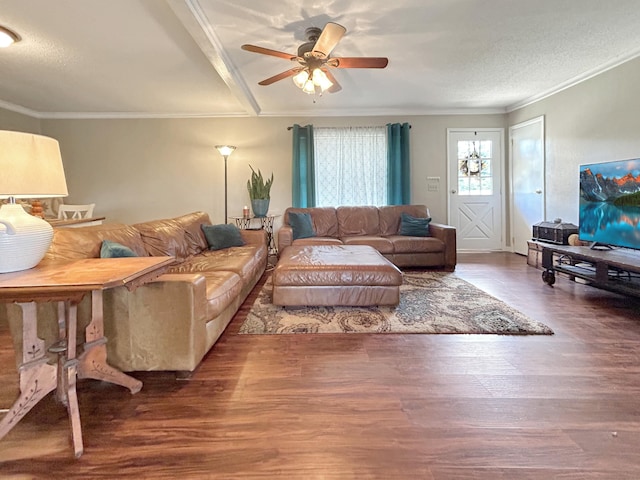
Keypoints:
pixel 617 270
pixel 67 284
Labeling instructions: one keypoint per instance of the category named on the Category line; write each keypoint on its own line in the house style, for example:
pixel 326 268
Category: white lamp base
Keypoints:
pixel 24 239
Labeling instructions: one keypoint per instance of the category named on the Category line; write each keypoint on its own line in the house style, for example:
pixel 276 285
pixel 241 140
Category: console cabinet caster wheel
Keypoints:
pixel 548 277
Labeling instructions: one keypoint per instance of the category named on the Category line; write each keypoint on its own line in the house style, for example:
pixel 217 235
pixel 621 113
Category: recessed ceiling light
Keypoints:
pixel 7 37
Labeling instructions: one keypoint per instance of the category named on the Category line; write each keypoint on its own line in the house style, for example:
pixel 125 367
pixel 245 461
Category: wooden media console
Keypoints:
pixel 617 270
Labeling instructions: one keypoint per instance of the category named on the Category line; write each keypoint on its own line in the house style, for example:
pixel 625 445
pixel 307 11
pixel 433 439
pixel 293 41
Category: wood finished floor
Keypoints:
pixel 370 406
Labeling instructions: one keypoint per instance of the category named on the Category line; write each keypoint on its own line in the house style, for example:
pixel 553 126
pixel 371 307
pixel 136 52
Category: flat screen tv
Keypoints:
pixel 610 203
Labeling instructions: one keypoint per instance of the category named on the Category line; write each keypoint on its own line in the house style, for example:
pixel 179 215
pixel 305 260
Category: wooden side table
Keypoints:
pixel 67 284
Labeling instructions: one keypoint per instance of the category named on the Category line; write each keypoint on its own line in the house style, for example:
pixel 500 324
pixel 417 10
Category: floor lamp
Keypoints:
pixel 225 151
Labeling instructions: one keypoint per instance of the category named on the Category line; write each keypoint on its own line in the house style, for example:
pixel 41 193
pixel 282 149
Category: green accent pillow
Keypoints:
pixel 111 249
pixel 301 225
pixel 413 226
pixel 222 236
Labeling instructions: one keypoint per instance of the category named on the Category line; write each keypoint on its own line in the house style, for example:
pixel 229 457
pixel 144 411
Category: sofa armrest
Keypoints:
pixel 158 326
pixel 285 237
pixel 447 234
pixel 254 237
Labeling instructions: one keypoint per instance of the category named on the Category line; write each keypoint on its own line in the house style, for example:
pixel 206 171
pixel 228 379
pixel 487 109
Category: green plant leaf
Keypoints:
pixel 257 187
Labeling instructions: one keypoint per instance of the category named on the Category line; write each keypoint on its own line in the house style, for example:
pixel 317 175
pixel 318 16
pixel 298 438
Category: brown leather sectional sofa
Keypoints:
pixel 379 228
pixel 172 322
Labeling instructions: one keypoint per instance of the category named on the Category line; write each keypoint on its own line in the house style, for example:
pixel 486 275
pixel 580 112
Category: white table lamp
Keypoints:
pixel 30 167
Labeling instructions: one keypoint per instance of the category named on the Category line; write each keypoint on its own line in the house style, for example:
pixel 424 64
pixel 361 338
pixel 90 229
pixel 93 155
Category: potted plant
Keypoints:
pixel 259 192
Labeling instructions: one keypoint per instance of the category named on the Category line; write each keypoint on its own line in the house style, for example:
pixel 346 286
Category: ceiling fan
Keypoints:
pixel 313 72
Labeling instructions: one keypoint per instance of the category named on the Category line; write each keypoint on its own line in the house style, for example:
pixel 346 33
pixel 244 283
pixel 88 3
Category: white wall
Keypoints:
pixel 142 169
pixel 18 122
pixel 595 121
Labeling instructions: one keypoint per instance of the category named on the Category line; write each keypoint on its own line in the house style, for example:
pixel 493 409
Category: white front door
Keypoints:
pixel 475 187
pixel 526 164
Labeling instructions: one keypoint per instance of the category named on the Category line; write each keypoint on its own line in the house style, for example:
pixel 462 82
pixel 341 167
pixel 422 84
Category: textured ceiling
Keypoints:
pixel 145 58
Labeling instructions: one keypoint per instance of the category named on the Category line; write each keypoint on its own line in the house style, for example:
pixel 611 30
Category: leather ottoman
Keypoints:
pixel 332 275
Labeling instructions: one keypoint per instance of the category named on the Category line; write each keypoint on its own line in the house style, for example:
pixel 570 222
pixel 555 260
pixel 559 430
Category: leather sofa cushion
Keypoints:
pixel 85 242
pixel 163 237
pixel 242 260
pixel 403 244
pixel 390 216
pixel 223 287
pixel 381 244
pixel 194 236
pixel 323 220
pixel 179 237
pixel 358 221
pixel 245 261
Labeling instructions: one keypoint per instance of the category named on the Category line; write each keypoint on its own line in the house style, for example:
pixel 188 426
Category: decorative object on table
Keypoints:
pixel 431 302
pixel 554 232
pixel 225 151
pixel 245 212
pixel 30 167
pixel 259 192
pixel 37 209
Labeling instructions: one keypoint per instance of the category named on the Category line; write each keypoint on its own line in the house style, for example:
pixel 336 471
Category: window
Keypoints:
pixel 475 175
pixel 350 166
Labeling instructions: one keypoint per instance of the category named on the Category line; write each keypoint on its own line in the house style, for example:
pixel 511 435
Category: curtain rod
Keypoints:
pixel 291 127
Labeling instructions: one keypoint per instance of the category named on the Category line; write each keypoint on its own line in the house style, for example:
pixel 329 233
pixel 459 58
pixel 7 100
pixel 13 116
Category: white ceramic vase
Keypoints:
pixel 24 239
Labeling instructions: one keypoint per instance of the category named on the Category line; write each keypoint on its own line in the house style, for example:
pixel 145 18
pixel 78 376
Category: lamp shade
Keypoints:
pixel 225 150
pixel 30 166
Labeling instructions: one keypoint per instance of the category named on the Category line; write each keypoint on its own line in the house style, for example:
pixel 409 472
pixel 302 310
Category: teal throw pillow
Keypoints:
pixel 111 249
pixel 413 226
pixel 301 225
pixel 222 236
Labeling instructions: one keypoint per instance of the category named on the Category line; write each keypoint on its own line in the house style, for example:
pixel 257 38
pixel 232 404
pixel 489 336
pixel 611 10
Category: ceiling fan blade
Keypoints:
pixel 359 62
pixel 280 76
pixel 268 51
pixel 329 38
pixel 336 86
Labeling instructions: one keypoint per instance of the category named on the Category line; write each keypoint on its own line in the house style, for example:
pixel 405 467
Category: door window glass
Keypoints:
pixel 474 167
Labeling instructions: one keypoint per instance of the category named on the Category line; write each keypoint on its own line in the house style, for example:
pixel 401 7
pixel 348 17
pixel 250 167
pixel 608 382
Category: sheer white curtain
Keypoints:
pixel 351 166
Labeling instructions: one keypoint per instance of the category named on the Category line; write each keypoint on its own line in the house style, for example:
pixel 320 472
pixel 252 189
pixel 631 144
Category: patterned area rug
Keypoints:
pixel 430 302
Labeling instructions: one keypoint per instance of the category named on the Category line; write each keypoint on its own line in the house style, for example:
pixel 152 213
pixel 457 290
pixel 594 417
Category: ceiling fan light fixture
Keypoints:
pixel 321 80
pixel 313 73
pixel 301 78
pixel 8 37
pixel 309 87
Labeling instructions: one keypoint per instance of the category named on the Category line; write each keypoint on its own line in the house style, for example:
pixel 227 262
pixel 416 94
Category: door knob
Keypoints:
pixel 538 191
pixel 453 191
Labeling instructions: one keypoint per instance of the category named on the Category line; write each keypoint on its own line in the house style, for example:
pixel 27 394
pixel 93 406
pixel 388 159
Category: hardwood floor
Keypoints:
pixel 370 406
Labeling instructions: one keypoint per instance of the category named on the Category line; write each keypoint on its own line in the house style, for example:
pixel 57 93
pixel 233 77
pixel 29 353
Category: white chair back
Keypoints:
pixel 75 212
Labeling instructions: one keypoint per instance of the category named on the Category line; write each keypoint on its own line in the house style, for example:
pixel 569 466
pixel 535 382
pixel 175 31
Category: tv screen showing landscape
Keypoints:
pixel 610 203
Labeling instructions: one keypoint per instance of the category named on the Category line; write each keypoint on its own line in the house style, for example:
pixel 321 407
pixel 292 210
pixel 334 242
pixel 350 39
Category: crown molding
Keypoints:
pixel 19 109
pixel 363 112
